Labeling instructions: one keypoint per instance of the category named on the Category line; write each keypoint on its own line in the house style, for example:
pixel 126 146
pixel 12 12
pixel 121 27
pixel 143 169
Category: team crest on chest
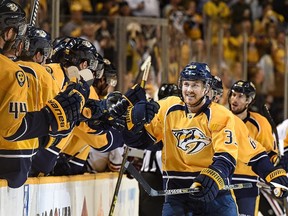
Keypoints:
pixel 191 140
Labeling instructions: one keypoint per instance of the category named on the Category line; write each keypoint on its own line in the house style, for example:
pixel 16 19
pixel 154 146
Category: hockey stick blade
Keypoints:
pixel 152 192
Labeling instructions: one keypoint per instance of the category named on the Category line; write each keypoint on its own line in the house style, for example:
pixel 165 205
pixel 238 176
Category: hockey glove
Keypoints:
pixel 278 176
pixel 143 112
pixel 135 94
pixel 64 110
pixel 106 124
pixel 94 109
pixel 209 182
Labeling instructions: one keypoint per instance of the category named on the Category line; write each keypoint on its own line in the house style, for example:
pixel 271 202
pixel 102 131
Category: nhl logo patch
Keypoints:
pixel 20 77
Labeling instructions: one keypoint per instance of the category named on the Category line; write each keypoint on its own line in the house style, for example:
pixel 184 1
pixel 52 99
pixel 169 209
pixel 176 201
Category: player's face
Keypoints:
pixel 238 102
pixel 192 91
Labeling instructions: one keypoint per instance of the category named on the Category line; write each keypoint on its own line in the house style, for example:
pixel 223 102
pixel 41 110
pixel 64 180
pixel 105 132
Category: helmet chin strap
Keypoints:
pixel 201 99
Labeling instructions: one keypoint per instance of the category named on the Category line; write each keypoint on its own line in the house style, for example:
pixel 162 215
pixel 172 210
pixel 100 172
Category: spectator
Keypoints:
pixel 74 25
pixel 144 8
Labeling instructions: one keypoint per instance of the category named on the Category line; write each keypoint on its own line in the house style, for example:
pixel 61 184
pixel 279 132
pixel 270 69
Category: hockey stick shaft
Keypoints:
pixel 274 128
pixel 152 192
pixel 34 12
pixel 146 68
pixel 118 183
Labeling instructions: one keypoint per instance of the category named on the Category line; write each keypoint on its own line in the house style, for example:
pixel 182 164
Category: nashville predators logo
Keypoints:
pixel 20 77
pixel 191 140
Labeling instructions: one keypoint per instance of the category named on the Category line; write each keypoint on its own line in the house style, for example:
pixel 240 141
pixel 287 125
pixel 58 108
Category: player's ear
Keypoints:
pixel 9 34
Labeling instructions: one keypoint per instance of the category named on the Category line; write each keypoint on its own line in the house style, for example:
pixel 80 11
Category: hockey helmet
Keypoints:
pixel 217 85
pixel 37 40
pixel 245 87
pixel 12 16
pixel 167 89
pixel 195 71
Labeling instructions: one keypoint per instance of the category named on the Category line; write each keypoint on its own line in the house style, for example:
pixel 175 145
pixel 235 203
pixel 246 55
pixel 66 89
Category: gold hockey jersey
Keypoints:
pixel 192 142
pixel 13 96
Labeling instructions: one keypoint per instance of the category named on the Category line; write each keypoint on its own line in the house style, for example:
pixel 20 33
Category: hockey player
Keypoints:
pixel 20 124
pixel 199 146
pixel 253 154
pixel 82 54
pixel 241 95
pixel 74 154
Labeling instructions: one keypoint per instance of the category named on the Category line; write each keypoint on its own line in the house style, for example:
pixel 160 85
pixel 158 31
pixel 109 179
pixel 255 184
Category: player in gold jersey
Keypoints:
pixel 199 144
pixel 253 154
pixel 17 122
pixel 241 96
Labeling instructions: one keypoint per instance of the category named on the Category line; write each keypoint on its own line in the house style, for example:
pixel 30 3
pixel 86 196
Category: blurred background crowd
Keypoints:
pixel 239 39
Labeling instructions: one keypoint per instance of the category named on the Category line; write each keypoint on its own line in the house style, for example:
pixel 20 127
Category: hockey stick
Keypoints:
pixel 119 180
pixel 152 192
pixel 146 68
pixel 274 184
pixel 34 13
pixel 274 128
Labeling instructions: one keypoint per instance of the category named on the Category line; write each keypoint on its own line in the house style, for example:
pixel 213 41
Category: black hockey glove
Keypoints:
pixel 64 110
pixel 143 112
pixel 278 176
pixel 96 109
pixel 209 182
pixel 135 94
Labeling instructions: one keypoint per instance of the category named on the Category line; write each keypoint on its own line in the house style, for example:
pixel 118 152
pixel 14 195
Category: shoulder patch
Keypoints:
pixel 20 77
pixel 49 69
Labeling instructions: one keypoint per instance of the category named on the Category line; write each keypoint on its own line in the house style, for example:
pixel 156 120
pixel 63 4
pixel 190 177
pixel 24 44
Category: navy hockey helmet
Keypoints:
pixel 78 50
pixel 59 46
pixel 245 87
pixel 37 40
pixel 195 71
pixel 12 16
pixel 217 85
pixel 167 89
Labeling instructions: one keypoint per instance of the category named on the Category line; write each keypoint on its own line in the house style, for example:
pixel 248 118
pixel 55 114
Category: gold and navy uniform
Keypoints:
pixel 13 96
pixel 17 98
pixel 261 130
pixel 57 72
pixel 260 133
pixel 191 142
pixel 250 152
pixel 77 145
pixel 83 138
pixel 42 84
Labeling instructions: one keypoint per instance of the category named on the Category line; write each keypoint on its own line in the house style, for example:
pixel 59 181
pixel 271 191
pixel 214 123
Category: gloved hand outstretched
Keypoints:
pixel 135 94
pixel 141 113
pixel 96 109
pixel 64 110
pixel 209 182
pixel 279 177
